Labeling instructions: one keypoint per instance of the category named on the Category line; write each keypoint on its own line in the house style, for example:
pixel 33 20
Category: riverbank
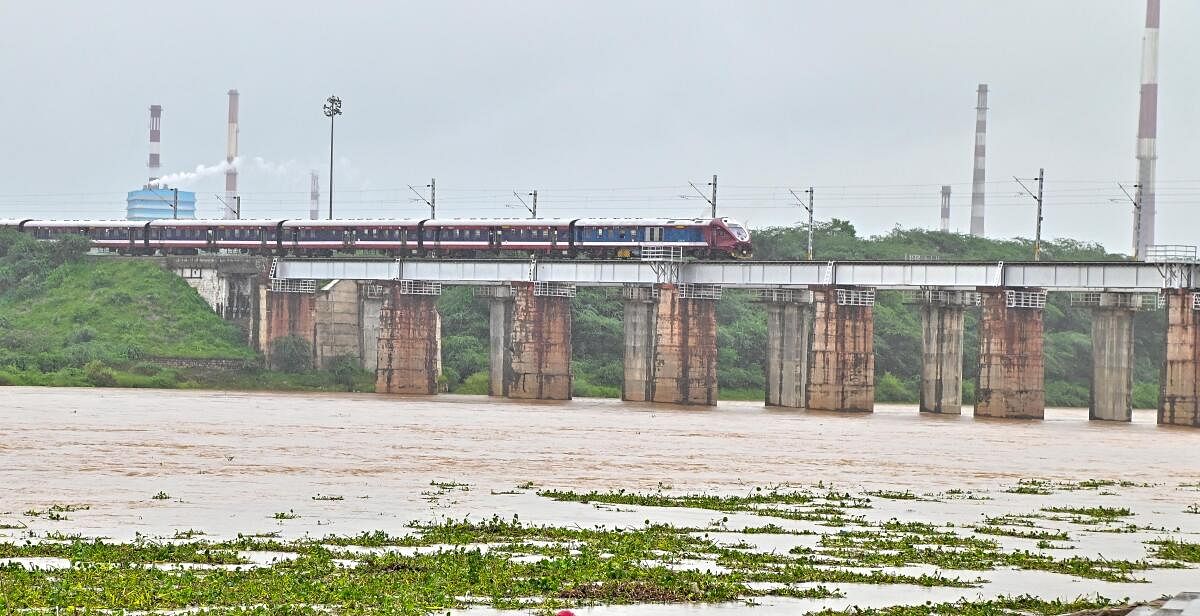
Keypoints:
pixel 161 464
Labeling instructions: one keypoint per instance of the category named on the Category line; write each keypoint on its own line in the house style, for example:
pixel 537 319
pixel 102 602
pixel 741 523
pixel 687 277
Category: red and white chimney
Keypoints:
pixel 1147 138
pixel 231 153
pixel 155 163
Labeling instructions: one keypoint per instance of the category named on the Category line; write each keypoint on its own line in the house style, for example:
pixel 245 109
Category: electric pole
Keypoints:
pixel 809 208
pixel 432 200
pixel 531 209
pixel 1037 237
pixel 1037 240
pixel 1136 200
pixel 712 201
pixel 175 203
pixel 238 201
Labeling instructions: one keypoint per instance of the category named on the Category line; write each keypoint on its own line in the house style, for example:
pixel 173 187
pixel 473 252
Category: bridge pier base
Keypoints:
pixel 942 351
pixel 789 337
pixel 1112 359
pixel 410 342
pixel 640 325
pixel 685 345
pixel 530 341
pixel 1011 363
pixel 283 314
pixel 1179 385
pixel 842 360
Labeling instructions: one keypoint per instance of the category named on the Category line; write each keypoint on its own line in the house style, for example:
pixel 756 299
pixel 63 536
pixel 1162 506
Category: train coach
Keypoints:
pixel 618 238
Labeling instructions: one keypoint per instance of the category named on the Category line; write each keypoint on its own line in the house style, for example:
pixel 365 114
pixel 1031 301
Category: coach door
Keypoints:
pixel 654 234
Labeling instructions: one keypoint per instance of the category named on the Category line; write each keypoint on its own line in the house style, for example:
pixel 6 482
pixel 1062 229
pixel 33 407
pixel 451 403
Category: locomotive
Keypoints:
pixel 601 238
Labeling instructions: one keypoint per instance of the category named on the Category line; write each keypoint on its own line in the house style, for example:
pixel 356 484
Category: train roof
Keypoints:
pixel 352 222
pixel 243 222
pixel 641 222
pixel 500 222
pixel 60 224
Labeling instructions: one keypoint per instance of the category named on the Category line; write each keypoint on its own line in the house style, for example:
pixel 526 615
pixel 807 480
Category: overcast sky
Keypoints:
pixel 607 108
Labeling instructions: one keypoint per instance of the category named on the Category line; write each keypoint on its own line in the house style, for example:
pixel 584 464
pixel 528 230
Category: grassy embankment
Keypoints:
pixel 67 320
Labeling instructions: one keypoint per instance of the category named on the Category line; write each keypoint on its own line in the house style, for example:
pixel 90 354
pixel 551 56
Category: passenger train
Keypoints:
pixel 588 237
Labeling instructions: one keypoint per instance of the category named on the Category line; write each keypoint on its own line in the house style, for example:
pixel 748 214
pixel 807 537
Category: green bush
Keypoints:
pixel 99 374
pixel 291 354
pixel 1145 395
pixel 889 388
pixel 476 384
pixel 345 368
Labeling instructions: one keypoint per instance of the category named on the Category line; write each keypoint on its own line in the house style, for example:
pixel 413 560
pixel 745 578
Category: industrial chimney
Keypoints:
pixel 314 195
pixel 1147 147
pixel 945 208
pixel 155 163
pixel 231 153
pixel 978 176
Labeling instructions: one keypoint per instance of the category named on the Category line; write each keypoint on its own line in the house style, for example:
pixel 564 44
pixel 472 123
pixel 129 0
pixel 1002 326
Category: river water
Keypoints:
pixel 231 460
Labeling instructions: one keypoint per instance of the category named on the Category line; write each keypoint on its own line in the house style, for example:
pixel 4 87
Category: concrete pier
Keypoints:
pixel 530 342
pixel 1011 363
pixel 410 343
pixel 1112 358
pixel 942 351
pixel 285 314
pixel 1179 385
pixel 685 346
pixel 789 336
pixel 338 324
pixel 842 361
pixel 640 323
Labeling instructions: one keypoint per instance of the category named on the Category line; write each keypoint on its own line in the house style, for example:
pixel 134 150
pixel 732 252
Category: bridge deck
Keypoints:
pixel 1054 276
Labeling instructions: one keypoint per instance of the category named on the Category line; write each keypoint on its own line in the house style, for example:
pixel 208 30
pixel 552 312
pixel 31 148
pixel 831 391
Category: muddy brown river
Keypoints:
pixel 231 460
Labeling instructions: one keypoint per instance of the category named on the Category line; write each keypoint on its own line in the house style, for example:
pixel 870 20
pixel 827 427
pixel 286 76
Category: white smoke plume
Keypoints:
pixel 201 171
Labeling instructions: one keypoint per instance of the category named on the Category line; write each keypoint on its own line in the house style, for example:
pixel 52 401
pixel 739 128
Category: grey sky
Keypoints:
pixel 608 108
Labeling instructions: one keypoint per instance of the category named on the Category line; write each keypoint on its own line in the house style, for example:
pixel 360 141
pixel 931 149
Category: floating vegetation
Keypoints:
pixel 1192 508
pixel 1004 606
pixel 1043 535
pixel 827 508
pixel 1045 487
pixel 446 486
pixel 579 566
pixel 290 514
pixel 895 495
pixel 1171 549
pixel 327 497
pixel 161 496
pixel 1102 514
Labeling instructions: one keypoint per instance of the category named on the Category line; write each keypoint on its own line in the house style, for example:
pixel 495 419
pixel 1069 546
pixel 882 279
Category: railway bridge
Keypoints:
pixel 819 315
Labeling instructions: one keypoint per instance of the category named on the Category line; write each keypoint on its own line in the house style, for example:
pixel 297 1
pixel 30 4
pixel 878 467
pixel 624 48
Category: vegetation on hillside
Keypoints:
pixel 69 320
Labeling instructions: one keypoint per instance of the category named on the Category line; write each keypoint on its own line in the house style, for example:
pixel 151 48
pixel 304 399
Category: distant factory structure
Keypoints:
pixel 154 200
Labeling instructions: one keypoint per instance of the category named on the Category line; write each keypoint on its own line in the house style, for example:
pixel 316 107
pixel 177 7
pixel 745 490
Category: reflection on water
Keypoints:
pixel 229 461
